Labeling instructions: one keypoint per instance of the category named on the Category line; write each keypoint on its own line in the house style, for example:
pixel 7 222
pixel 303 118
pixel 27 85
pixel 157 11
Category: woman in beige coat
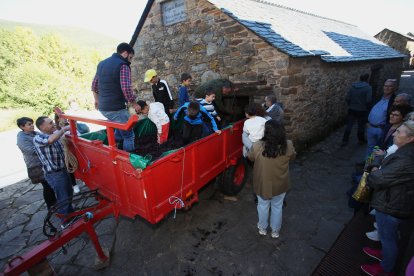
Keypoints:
pixel 271 156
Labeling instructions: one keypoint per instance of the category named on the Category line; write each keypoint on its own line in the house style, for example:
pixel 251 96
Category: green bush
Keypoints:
pixel 37 86
pixel 40 72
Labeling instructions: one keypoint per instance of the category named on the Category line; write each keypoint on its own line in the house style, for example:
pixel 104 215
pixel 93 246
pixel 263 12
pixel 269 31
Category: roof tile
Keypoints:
pixel 298 33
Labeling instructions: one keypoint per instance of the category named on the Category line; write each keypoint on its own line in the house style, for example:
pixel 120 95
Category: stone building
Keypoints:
pixel 307 61
pixel 402 43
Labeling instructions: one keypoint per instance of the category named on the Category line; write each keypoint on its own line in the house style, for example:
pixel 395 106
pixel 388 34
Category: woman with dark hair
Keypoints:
pixel 271 156
pixel 397 115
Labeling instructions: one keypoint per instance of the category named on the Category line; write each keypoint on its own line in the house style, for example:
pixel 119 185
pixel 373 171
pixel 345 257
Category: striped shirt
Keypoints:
pixel 125 80
pixel 208 106
pixel 51 155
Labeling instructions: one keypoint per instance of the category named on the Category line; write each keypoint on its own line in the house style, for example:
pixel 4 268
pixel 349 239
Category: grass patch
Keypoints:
pixel 8 117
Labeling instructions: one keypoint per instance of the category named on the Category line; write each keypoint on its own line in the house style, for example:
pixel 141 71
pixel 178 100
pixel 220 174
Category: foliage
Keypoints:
pixel 38 86
pixel 8 117
pixel 45 71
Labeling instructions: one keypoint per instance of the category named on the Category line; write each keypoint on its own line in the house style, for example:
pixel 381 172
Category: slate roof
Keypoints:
pixel 301 34
pixel 407 36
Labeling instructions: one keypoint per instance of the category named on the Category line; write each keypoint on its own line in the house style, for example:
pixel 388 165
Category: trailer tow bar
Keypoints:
pixel 37 256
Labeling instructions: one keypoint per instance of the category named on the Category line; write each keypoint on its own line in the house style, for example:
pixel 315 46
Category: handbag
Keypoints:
pixel 36 174
pixel 362 192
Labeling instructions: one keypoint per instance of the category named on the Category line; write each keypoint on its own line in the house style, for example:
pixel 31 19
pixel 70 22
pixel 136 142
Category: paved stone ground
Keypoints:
pixel 215 237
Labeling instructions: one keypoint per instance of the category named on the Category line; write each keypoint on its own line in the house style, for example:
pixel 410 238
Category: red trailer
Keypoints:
pixel 171 182
pixel 177 177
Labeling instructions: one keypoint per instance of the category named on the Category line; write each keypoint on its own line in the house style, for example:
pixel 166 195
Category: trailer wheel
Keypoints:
pixel 233 179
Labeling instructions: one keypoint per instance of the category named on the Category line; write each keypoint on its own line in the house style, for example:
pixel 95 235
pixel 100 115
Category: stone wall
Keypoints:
pixel 394 40
pixel 209 44
pixel 398 42
pixel 313 93
pixel 410 47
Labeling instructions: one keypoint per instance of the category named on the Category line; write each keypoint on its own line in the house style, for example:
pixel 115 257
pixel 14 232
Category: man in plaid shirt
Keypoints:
pixel 112 91
pixel 50 151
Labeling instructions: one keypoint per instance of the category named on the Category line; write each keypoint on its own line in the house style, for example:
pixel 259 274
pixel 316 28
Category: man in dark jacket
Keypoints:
pixel 225 98
pixel 273 109
pixel 392 198
pixel 359 98
pixel 112 90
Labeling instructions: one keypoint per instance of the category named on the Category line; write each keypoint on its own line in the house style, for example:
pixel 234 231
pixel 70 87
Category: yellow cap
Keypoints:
pixel 149 75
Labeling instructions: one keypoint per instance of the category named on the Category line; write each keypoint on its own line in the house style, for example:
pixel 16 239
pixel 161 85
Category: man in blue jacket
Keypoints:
pixel 112 90
pixel 359 98
pixel 194 126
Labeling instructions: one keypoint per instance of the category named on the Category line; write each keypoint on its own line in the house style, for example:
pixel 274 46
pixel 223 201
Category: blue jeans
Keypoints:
pixel 122 116
pixel 388 233
pixel 374 135
pixel 62 186
pixel 276 205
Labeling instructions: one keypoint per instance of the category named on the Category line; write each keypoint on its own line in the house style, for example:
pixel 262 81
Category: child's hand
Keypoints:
pixel 218 118
pixel 218 132
pixel 63 122
pixel 66 128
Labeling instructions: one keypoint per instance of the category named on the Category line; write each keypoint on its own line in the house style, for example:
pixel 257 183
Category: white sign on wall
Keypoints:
pixel 173 12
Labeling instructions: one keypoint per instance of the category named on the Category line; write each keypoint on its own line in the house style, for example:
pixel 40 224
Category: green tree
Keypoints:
pixel 35 84
pixel 43 72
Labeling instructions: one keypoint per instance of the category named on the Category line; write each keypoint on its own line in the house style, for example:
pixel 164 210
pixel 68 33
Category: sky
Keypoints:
pixel 119 18
pixel 115 18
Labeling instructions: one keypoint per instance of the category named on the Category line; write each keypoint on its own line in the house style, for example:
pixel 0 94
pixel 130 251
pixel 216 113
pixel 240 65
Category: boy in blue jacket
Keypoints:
pixel 193 121
pixel 183 96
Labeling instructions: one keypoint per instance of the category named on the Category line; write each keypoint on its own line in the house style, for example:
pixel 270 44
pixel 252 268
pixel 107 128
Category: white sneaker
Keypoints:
pixel 275 235
pixel 262 232
pixel 375 225
pixel 372 212
pixel 76 189
pixel 373 235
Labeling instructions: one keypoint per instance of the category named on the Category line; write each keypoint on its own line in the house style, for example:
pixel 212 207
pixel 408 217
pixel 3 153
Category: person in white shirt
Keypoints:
pixel 253 129
pixel 156 113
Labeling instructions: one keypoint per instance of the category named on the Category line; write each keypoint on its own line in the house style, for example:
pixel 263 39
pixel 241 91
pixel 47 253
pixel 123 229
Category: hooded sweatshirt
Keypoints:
pixel 359 97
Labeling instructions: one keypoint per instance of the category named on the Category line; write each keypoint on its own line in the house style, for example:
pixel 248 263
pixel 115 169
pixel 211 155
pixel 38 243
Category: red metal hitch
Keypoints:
pixel 20 264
